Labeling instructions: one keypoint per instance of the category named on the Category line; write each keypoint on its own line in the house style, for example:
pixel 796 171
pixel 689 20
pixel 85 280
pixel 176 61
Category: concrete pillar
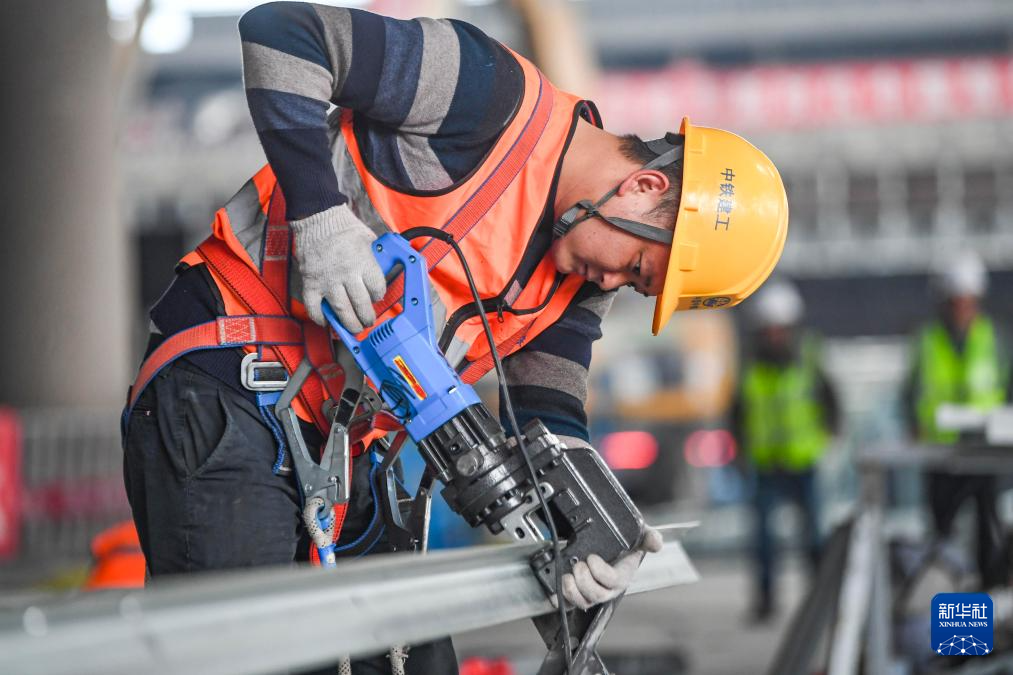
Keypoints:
pixel 63 254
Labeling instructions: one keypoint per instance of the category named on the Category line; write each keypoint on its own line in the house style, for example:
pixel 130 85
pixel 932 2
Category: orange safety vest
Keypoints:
pixel 119 561
pixel 493 214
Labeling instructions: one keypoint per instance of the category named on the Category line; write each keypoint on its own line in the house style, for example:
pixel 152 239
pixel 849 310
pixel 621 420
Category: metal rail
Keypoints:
pixel 961 459
pixel 853 586
pixel 802 640
pixel 270 620
pixel 856 594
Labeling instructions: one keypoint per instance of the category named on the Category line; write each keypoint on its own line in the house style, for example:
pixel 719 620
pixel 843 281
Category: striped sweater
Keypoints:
pixel 430 99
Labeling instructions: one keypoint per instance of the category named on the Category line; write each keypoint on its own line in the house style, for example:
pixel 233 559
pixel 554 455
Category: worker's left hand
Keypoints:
pixel 334 254
pixel 595 581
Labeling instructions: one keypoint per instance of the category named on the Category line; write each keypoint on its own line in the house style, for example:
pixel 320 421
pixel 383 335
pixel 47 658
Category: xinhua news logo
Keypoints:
pixel 962 624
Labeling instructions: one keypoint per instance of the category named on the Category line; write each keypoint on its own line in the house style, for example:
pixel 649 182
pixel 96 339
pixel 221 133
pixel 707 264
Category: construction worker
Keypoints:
pixel 960 358
pixel 783 417
pixel 436 125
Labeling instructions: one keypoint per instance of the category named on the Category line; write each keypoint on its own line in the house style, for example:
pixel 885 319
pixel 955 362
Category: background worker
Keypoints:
pixel 783 417
pixel 960 358
pixel 433 115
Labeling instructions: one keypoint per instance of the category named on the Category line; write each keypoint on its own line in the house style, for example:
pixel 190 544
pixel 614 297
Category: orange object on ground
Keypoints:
pixel 480 666
pixel 119 561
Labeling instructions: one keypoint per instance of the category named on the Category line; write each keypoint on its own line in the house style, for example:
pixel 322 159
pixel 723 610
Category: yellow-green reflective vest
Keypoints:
pixel 974 377
pixel 784 422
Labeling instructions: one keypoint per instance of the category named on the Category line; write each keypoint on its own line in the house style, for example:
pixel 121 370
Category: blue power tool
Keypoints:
pixel 507 484
pixel 486 477
pixel 401 357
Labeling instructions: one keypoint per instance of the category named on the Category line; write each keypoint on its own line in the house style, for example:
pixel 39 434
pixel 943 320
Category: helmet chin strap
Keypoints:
pixel 669 151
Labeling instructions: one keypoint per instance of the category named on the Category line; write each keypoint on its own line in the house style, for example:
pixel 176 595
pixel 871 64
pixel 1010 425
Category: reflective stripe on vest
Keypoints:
pixel 972 377
pixel 785 425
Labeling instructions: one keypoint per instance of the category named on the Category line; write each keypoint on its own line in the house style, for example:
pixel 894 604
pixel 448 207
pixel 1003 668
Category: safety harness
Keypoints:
pixel 282 341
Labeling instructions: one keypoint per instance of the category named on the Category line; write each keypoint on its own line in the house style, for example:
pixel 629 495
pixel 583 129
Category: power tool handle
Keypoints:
pixel 391 250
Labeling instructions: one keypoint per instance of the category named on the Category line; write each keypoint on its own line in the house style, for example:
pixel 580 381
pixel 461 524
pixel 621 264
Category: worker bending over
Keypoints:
pixel 435 125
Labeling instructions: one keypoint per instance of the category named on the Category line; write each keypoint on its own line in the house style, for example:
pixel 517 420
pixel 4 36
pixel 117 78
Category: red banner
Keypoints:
pixel 811 95
pixel 10 483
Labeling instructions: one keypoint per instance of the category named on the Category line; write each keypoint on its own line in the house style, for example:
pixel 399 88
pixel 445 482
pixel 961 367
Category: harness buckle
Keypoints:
pixel 262 375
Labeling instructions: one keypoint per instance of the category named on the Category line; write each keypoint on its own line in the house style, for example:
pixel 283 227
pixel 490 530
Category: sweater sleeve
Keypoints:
pixel 442 82
pixel 547 379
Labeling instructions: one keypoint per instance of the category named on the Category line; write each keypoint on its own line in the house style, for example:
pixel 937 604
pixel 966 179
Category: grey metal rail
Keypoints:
pixel 964 458
pixel 856 593
pixel 270 620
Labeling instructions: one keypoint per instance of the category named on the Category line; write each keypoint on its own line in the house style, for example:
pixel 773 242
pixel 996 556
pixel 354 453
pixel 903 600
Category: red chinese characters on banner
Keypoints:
pixel 10 483
pixel 808 95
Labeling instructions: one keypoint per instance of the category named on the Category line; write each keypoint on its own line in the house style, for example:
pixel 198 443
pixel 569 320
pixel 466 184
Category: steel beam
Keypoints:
pixel 270 620
pixel 773 24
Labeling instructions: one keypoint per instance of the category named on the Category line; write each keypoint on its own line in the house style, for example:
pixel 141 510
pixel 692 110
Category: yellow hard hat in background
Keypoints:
pixel 731 224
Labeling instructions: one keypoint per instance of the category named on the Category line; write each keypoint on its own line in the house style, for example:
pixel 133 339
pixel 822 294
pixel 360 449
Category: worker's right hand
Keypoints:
pixel 335 258
pixel 594 581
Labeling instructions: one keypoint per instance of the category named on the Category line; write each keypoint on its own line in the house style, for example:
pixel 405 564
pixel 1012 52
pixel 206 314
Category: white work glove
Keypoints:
pixel 595 581
pixel 332 249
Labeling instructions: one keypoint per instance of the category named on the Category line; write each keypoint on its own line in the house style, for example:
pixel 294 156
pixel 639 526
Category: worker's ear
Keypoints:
pixel 644 181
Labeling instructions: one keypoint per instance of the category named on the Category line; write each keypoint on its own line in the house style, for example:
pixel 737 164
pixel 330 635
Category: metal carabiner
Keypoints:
pixel 325 483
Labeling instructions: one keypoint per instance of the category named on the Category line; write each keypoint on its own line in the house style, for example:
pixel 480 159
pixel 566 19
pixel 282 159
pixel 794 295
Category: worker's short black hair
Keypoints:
pixel 635 149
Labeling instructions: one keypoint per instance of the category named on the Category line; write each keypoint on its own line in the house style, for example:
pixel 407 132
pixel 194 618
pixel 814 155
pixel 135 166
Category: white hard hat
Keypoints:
pixel 963 274
pixel 777 303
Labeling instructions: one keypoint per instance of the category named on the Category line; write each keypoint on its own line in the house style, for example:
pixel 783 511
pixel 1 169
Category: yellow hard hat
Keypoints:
pixel 731 224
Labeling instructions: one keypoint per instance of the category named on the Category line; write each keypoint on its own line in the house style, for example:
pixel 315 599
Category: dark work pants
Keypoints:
pixel 771 488
pixel 197 466
pixel 947 493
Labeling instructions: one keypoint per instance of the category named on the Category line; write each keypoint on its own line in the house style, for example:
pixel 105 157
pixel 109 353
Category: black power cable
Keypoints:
pixel 414 233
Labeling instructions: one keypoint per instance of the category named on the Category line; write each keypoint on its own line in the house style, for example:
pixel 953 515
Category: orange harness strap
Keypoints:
pixel 223 332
